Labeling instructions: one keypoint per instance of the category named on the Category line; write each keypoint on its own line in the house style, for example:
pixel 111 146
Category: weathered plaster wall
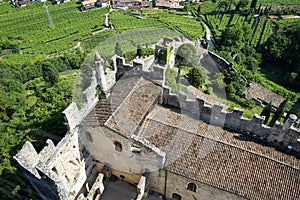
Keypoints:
pixel 178 184
pixel 100 142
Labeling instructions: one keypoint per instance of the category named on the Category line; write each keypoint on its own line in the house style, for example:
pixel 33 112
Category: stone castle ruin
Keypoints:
pixel 140 141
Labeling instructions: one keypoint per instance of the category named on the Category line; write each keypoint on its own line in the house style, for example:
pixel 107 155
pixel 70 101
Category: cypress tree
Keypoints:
pixel 279 112
pixel 266 112
pixel 253 4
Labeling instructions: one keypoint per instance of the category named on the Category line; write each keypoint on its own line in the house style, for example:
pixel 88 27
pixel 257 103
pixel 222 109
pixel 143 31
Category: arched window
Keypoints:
pixel 176 196
pixel 192 187
pixel 118 146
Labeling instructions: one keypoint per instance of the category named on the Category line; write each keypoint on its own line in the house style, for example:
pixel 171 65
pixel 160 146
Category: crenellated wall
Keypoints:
pixel 282 135
pixel 103 77
pixel 61 169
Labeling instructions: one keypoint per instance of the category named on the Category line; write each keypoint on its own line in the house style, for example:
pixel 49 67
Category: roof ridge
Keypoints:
pixel 118 108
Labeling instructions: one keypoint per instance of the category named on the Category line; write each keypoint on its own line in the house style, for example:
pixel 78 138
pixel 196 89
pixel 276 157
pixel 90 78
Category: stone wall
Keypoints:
pixel 101 76
pixel 167 183
pixel 138 68
pixel 132 157
pixel 224 63
pixel 281 135
pixel 146 62
pixel 178 184
pixel 62 169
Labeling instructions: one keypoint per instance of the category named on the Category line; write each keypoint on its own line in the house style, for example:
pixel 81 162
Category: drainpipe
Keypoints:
pixel 165 189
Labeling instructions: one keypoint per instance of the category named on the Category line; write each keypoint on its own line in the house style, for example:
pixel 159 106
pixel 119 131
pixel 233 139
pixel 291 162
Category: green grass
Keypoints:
pixel 209 6
pixel 129 40
pixel 19 60
pixel 272 80
pixel 185 24
pixel 278 2
pixel 248 112
pixel 123 21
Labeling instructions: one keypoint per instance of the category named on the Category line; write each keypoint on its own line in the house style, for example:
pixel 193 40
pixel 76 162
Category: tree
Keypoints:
pixel 218 81
pixel 251 64
pixel 253 4
pixel 223 4
pixel 266 112
pixel 195 78
pixel 235 37
pixel 186 54
pixel 241 4
pixel 199 10
pixel 139 51
pixel 50 74
pixel 279 112
pixel 235 85
pixel 118 49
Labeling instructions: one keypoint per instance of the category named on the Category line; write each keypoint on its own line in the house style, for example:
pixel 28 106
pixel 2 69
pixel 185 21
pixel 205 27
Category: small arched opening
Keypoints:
pixel 118 146
pixel 192 187
pixel 176 196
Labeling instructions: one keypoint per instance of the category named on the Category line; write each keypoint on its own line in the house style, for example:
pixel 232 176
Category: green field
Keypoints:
pixel 278 2
pixel 30 24
pixel 183 23
pixel 122 21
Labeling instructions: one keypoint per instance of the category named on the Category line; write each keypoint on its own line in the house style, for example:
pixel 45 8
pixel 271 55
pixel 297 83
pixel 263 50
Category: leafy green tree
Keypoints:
pixel 235 37
pixel 266 112
pixel 235 85
pixel 253 4
pixel 195 78
pixel 282 50
pixel 218 81
pixel 186 55
pixel 279 112
pixel 50 74
pixel 224 5
pixel 241 4
pixel 118 49
pixel 251 64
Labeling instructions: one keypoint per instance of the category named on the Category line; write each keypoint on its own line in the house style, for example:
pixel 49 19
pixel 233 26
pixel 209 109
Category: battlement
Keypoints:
pixel 281 135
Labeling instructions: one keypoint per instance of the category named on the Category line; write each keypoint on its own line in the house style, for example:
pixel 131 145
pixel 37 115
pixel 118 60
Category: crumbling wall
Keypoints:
pixel 105 78
pixel 146 62
pixel 61 169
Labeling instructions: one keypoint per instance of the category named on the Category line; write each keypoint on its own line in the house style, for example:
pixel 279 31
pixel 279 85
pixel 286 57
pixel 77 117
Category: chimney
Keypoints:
pixel 290 120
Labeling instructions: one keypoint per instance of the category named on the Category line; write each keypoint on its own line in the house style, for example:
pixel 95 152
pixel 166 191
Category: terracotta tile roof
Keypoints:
pixel 194 92
pixel 104 108
pixel 227 160
pixel 134 107
pixel 130 1
pixel 259 92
